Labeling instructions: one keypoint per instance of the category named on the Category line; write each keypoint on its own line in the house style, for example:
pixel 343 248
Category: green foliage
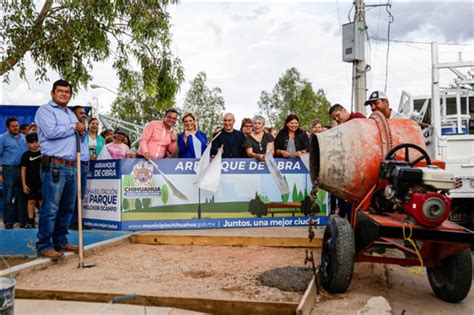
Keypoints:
pixel 321 195
pixel 68 36
pixel 257 207
pixel 300 196
pixel 125 204
pixel 294 94
pixel 294 193
pixel 264 199
pixel 165 193
pixel 207 104
pixel 136 106
pixel 138 204
pixel 320 200
pixel 285 197
pixel 146 202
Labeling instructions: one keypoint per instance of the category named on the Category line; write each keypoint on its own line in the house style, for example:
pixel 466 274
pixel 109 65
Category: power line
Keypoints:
pixel 426 49
pixel 349 14
pixel 377 38
pixel 376 46
pixel 391 19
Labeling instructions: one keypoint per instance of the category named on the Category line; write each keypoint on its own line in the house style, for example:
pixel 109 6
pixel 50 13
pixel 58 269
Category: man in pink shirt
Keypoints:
pixel 158 139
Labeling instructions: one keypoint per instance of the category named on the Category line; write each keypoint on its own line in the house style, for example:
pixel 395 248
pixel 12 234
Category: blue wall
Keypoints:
pixel 24 113
pixel 20 242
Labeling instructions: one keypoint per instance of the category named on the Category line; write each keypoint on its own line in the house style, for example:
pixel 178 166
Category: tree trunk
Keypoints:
pixel 10 61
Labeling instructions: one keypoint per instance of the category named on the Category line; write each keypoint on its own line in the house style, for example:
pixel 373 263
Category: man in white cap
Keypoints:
pixel 378 101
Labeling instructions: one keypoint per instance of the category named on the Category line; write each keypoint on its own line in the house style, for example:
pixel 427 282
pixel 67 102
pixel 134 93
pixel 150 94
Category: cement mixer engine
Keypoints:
pixel 419 191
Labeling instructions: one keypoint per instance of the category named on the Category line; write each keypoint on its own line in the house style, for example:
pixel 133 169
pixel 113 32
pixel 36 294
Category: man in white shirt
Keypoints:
pixel 378 101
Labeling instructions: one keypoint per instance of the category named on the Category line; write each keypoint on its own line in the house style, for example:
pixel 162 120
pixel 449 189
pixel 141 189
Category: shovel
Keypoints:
pixel 79 205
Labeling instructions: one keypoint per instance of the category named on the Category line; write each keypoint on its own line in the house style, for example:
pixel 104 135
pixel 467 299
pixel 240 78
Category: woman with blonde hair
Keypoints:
pixel 258 142
pixel 191 142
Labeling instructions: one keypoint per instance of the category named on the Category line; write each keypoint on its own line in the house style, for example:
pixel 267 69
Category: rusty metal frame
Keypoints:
pixel 384 230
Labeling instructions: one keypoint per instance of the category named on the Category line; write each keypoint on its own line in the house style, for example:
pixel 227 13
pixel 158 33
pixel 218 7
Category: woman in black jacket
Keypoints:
pixel 291 141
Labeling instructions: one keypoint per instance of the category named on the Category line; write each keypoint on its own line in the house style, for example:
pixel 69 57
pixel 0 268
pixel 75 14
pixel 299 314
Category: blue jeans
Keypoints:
pixel 11 192
pixel 57 208
pixel 84 166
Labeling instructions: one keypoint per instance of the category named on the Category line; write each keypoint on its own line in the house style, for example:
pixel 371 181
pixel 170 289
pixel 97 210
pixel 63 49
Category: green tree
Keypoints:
pixel 165 194
pixel 207 104
pixel 68 36
pixel 294 94
pixel 125 204
pixel 264 199
pixel 321 196
pixel 285 197
pixel 294 194
pixel 138 204
pixel 300 196
pixel 257 207
pixel 146 202
pixel 134 105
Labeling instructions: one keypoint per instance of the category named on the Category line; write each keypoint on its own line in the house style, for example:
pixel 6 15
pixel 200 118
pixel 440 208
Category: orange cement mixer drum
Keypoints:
pixel 345 160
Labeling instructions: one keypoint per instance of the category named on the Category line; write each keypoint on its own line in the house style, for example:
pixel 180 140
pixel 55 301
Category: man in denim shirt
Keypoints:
pixel 57 127
pixel 12 147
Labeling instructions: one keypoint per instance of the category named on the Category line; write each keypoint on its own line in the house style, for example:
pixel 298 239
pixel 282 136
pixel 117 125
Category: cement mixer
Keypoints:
pixel 400 204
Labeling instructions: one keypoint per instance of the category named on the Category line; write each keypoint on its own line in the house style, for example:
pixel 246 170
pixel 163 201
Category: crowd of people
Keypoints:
pixel 38 160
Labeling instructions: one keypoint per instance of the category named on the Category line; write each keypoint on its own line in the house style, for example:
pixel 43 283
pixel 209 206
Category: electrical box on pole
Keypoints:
pixel 353 41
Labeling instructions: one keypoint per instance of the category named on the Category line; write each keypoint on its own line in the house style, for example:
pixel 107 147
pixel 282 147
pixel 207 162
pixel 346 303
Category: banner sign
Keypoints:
pixel 222 223
pixel 131 194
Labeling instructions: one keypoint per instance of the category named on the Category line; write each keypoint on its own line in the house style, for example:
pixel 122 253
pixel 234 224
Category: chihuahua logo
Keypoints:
pixel 143 173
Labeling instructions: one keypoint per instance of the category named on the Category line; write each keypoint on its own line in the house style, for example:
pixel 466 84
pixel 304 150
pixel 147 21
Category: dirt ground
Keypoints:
pixel 407 293
pixel 220 272
pixel 179 271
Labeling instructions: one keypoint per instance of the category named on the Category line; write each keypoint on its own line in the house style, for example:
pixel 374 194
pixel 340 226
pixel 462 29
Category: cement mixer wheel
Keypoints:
pixel 451 281
pixel 337 256
pixel 406 146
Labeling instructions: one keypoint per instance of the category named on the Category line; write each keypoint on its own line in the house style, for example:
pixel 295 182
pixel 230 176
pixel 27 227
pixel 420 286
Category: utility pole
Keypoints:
pixel 359 66
pixel 354 35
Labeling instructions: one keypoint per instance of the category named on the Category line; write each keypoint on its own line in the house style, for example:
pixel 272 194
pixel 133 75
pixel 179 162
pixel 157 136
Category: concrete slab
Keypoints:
pixel 46 307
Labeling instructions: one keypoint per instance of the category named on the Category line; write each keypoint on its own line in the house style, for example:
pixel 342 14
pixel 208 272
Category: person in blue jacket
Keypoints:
pixel 191 142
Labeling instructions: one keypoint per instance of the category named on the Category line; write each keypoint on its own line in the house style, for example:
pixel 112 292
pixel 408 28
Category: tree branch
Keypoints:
pixel 10 61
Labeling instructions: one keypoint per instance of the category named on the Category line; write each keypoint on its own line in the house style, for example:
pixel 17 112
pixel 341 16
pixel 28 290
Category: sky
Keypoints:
pixel 244 47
